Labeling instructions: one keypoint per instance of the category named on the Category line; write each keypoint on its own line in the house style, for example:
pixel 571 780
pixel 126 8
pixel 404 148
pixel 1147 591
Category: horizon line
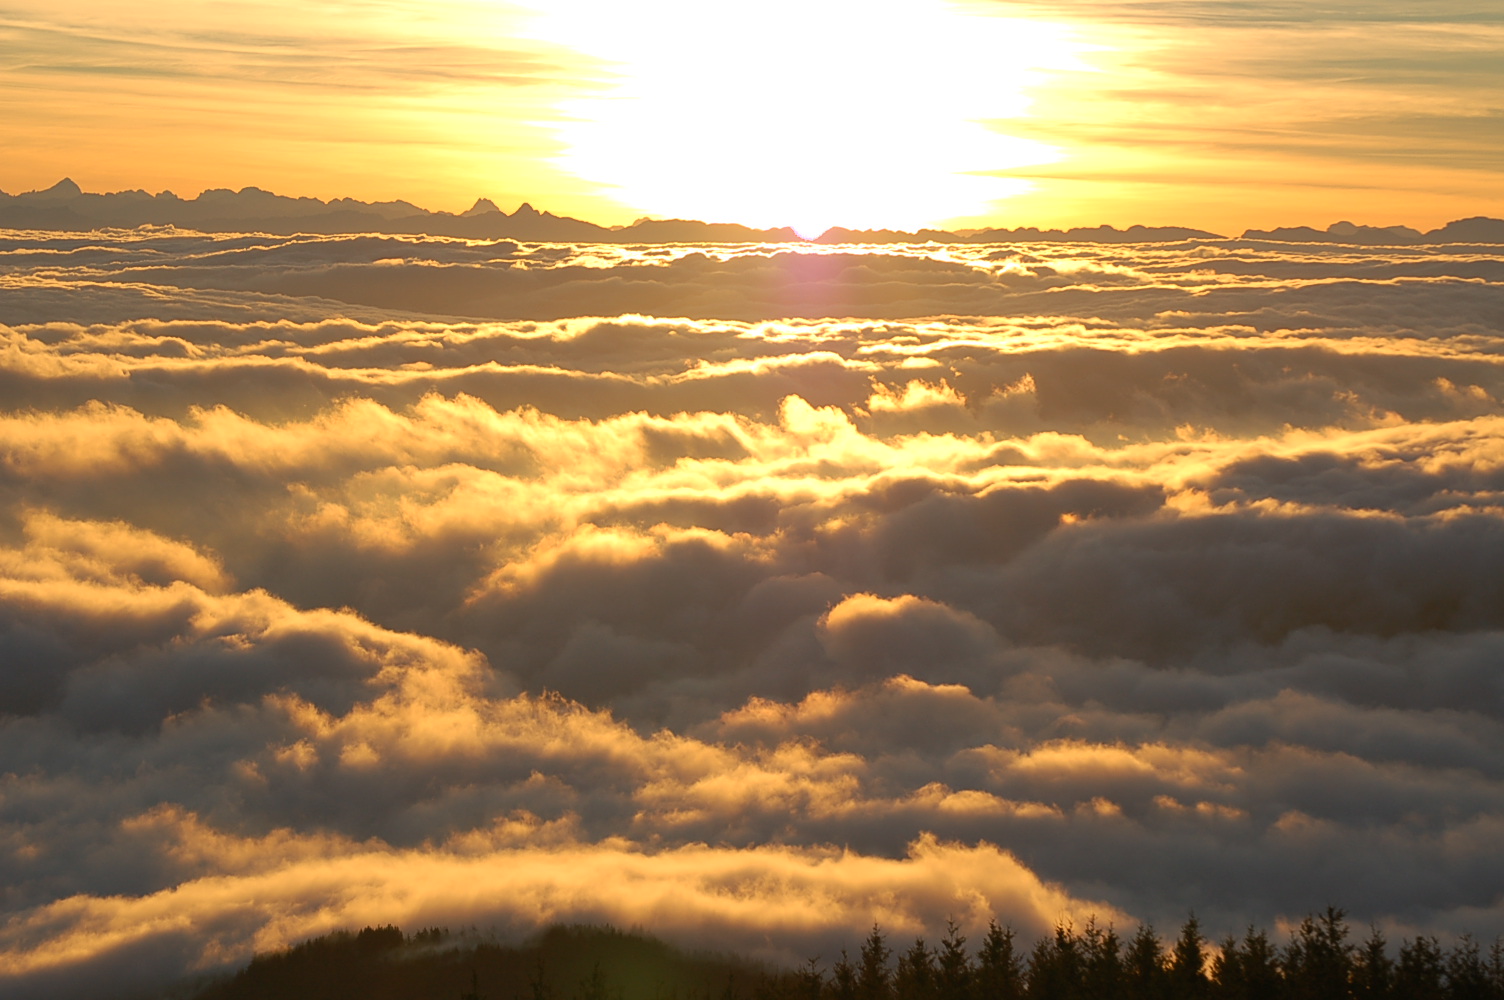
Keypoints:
pixel 65 191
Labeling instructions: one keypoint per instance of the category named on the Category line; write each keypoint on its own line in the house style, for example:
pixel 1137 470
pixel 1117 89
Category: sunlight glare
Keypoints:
pixel 810 113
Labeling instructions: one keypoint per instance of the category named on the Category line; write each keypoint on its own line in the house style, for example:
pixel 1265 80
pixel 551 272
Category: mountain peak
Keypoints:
pixel 63 190
pixel 526 211
pixel 482 206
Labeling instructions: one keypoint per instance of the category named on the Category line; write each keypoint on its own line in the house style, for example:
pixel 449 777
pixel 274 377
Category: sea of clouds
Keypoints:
pixel 746 594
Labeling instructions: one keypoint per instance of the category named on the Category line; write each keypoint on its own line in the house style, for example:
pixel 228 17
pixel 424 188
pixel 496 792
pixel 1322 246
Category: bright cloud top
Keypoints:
pixel 738 590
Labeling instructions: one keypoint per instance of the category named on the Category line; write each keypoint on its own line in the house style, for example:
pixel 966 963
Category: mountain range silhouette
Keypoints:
pixel 66 207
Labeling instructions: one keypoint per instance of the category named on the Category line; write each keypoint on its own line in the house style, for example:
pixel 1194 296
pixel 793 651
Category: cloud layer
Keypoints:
pixel 736 591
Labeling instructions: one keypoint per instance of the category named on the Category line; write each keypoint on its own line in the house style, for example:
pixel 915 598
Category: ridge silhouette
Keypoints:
pixel 66 207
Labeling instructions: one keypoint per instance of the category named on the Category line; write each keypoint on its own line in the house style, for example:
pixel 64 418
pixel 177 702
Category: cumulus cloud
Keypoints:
pixel 426 581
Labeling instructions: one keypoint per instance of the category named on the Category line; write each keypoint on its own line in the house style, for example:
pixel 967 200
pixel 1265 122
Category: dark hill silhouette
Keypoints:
pixel 690 231
pixel 1081 234
pixel 65 207
pixel 562 963
pixel 1318 961
pixel 1099 234
pixel 1475 230
pixel 839 235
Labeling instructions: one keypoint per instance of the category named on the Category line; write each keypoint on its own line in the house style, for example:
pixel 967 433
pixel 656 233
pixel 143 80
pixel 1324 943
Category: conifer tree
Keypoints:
pixel 873 981
pixel 1057 966
pixel 1259 960
pixel 842 984
pixel 1103 954
pixel 1318 960
pixel 1228 982
pixel 999 974
pixel 538 982
pixel 1496 968
pixel 1144 966
pixel 915 977
pixel 1185 976
pixel 809 982
pixel 593 986
pixel 953 966
pixel 1373 970
pixel 1466 974
pixel 1419 972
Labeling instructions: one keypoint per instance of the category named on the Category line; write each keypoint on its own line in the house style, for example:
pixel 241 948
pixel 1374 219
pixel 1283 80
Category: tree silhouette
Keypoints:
pixel 873 982
pixel 1318 959
pixel 1144 966
pixel 843 980
pixel 1247 969
pixel 1373 970
pixel 1467 976
pixel 1057 966
pixel 538 983
pixel 593 986
pixel 1316 963
pixel 1496 968
pixel 1419 971
pixel 1184 976
pixel 999 973
pixel 1261 966
pixel 809 982
pixel 953 966
pixel 1103 976
pixel 915 978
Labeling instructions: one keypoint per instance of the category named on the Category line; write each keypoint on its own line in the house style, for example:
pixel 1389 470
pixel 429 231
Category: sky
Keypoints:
pixel 1218 114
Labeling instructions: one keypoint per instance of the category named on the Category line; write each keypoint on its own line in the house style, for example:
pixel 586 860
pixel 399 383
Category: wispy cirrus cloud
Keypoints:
pixel 1331 108
pixel 452 91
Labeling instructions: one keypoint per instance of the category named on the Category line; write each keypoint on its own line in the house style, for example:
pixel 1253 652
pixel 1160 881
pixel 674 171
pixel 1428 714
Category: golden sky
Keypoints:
pixel 1224 115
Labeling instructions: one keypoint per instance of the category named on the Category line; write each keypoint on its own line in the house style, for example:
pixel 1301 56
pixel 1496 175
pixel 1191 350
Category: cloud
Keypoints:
pixel 280 888
pixel 1041 581
pixel 505 281
pixel 1399 110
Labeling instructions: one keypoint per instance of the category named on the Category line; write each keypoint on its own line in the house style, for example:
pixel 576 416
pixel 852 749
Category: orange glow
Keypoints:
pixel 897 114
pixel 811 114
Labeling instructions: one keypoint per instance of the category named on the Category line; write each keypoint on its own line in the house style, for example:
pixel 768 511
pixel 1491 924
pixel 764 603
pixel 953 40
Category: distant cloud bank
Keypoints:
pixel 740 592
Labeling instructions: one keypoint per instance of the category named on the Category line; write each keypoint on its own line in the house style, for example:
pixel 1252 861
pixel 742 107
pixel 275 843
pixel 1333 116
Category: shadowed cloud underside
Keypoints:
pixel 740 592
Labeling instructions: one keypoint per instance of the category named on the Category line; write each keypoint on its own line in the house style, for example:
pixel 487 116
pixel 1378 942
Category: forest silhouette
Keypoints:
pixel 1320 960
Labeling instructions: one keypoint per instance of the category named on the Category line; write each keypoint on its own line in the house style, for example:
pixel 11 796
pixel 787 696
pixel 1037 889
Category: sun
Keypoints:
pixel 810 113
